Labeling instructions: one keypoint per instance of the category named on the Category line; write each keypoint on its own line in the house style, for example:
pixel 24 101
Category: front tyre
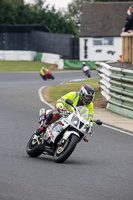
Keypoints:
pixel 63 152
pixel 52 76
pixel 32 148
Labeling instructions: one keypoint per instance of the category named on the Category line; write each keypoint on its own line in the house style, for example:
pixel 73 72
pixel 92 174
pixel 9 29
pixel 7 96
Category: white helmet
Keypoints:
pixel 87 94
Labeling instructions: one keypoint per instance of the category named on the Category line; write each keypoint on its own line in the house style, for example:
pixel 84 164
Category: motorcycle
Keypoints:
pixel 86 71
pixel 62 136
pixel 48 75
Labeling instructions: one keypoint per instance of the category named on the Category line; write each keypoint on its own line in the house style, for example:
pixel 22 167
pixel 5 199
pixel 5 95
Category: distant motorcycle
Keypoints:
pixel 48 75
pixel 86 71
pixel 61 137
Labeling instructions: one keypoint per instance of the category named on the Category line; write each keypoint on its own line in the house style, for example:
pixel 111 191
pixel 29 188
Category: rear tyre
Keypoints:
pixel 63 152
pixel 32 148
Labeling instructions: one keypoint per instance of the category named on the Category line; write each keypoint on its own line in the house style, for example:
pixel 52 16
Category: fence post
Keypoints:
pixel 127 47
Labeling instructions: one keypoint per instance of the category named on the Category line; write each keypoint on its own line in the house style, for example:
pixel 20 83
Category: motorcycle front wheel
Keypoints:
pixel 52 76
pixel 88 74
pixel 62 152
pixel 32 148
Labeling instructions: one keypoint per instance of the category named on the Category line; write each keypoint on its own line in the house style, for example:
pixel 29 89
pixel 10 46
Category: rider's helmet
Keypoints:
pixel 86 94
pixel 83 63
pixel 43 68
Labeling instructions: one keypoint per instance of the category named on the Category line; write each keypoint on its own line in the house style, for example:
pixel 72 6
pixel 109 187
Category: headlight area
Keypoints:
pixel 75 121
pixel 86 128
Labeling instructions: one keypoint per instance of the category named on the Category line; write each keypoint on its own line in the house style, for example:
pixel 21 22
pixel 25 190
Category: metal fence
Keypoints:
pixel 38 38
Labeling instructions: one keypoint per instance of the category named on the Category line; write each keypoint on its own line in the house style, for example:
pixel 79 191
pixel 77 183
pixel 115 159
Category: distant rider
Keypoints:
pixel 42 72
pixel 82 98
pixel 85 68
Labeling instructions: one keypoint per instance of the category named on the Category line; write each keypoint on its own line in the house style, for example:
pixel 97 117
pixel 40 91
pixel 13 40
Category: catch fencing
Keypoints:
pixel 39 39
pixel 117 87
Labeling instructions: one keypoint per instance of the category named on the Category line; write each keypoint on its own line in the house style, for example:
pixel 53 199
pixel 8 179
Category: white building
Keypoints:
pixel 101 25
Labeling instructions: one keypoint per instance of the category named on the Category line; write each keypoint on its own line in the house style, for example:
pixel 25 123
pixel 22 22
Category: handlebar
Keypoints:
pixel 98 122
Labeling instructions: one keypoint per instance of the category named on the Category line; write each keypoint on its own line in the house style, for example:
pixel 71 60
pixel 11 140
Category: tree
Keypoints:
pixel 6 12
pixel 17 2
pixel 39 4
pixel 74 10
pixel 21 14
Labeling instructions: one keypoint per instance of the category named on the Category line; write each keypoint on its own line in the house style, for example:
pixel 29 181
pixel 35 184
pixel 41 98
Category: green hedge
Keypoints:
pixel 77 64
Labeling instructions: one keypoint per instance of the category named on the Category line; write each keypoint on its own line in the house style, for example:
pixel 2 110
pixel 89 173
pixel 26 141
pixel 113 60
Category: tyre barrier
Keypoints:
pixel 117 87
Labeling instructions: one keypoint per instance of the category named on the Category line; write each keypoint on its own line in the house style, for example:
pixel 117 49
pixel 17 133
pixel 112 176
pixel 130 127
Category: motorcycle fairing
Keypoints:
pixel 68 133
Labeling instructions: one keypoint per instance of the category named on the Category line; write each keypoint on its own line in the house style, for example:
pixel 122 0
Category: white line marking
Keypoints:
pixel 116 129
pixel 42 99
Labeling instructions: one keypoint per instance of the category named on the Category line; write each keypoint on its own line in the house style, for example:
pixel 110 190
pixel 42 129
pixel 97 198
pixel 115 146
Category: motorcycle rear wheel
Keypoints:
pixel 32 148
pixel 61 156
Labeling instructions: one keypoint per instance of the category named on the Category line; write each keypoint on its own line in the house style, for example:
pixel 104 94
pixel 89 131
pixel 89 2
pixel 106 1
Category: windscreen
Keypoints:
pixel 84 112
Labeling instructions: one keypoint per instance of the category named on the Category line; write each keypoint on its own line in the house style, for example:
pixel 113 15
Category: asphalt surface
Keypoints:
pixel 98 170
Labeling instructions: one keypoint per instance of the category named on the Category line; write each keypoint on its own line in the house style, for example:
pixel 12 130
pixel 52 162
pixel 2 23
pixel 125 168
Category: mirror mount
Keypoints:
pixel 98 122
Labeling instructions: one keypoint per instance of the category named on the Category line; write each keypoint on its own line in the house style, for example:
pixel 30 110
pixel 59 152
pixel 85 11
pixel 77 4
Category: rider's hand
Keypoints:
pixel 42 119
pixel 39 130
pixel 62 110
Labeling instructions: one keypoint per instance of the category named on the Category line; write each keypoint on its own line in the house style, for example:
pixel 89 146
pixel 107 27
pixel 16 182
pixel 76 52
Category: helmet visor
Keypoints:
pixel 88 98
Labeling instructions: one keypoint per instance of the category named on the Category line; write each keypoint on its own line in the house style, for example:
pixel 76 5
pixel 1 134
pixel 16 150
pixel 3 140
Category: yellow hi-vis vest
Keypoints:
pixel 74 96
pixel 42 71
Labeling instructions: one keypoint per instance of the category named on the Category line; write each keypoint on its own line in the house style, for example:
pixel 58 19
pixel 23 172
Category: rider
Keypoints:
pixel 82 98
pixel 85 68
pixel 42 72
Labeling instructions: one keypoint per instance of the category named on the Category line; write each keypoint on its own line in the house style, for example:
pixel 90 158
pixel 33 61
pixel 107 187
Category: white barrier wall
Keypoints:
pixel 30 55
pixel 17 55
pixel 53 59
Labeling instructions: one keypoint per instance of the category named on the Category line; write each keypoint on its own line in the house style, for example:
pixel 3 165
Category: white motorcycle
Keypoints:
pixel 86 71
pixel 61 137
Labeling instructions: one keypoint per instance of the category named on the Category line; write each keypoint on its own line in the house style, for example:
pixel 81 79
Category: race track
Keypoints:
pixel 101 169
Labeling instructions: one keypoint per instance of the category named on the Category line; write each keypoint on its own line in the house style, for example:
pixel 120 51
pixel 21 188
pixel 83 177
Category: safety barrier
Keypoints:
pixel 31 56
pixel 117 87
pixel 17 55
pixel 46 58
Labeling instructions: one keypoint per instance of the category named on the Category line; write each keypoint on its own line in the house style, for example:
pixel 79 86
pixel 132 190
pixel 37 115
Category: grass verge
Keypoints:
pixel 56 91
pixel 8 66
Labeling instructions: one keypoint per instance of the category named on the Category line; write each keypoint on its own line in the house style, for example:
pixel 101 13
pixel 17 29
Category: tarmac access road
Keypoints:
pixel 98 170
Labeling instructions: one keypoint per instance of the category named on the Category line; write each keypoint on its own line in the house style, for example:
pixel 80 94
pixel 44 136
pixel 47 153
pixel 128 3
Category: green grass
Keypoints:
pixel 8 66
pixel 57 91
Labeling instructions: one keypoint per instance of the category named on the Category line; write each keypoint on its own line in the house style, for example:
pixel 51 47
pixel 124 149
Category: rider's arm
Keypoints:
pixel 42 72
pixel 61 101
pixel 91 109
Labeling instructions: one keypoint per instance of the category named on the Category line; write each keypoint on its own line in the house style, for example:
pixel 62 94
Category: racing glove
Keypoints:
pixel 62 111
pixel 40 130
